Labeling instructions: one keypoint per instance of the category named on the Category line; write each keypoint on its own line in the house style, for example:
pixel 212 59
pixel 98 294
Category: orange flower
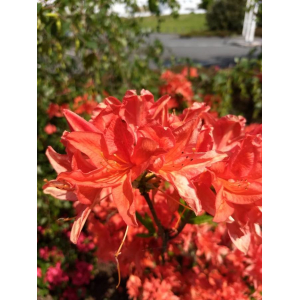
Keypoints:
pixel 50 128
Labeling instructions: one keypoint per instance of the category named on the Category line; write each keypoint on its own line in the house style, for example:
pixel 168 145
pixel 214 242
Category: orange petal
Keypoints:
pixel 59 162
pixel 240 237
pixel 223 209
pixel 186 190
pixel 88 143
pixel 79 223
pixel 76 123
pixel 123 198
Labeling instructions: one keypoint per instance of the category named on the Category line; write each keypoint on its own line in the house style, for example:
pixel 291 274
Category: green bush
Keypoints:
pixel 239 88
pixel 226 15
pixel 205 4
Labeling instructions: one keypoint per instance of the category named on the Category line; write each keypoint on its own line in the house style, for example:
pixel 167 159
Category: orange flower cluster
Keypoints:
pixel 132 165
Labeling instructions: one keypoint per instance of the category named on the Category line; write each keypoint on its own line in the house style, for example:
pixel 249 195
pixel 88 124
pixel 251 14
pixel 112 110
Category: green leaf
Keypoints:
pixel 91 44
pixel 144 235
pixel 201 219
pixel 39 6
pixel 147 222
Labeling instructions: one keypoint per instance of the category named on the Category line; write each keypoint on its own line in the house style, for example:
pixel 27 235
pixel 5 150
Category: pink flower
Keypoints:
pixel 44 253
pixel 55 275
pixel 134 284
pixel 41 229
pixel 39 272
pixel 82 274
pixel 85 243
pixel 70 294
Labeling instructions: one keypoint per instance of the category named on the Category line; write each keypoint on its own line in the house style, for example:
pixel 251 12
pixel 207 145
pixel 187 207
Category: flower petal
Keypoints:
pixel 240 237
pixel 59 162
pixel 88 143
pixel 119 139
pixel 76 123
pixel 223 209
pixel 97 178
pixel 79 223
pixel 186 190
pixel 123 198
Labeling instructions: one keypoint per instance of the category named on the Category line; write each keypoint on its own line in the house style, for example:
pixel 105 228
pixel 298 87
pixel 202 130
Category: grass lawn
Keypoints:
pixel 181 25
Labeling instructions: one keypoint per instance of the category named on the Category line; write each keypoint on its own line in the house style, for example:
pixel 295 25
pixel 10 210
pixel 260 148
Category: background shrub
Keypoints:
pixel 226 15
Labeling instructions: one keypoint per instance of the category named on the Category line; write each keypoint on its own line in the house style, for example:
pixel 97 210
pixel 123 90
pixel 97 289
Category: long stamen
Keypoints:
pixel 117 254
pixel 174 199
pixel 186 115
pixel 96 202
pixel 69 219
pixel 122 160
pixel 65 219
pixel 177 223
pixel 106 160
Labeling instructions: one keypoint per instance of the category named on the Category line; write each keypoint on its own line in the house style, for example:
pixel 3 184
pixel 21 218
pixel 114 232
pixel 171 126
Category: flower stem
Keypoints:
pixel 161 231
pixel 182 224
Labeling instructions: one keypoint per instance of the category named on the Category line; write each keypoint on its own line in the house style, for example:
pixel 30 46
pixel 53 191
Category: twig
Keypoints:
pixel 161 230
pixel 182 225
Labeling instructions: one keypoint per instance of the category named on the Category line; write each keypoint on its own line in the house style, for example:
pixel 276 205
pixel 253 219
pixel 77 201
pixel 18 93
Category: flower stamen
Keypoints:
pixel 174 199
pixel 117 254
pixel 115 155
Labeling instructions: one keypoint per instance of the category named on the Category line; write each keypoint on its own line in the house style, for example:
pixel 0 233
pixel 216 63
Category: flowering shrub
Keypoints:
pixel 178 87
pixel 235 90
pixel 137 171
pixel 64 270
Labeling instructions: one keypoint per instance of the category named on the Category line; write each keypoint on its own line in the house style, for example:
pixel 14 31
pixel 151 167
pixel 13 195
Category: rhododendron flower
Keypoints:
pixel 50 129
pixel 70 294
pixel 189 72
pixel 84 104
pixel 39 272
pixel 82 274
pixel 55 275
pixel 44 253
pixel 176 85
pixel 181 164
pixel 110 156
pixel 127 152
pixel 55 110
pixel 237 179
pixel 84 243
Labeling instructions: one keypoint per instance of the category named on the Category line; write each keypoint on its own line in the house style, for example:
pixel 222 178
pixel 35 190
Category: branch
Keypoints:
pixel 182 225
pixel 161 230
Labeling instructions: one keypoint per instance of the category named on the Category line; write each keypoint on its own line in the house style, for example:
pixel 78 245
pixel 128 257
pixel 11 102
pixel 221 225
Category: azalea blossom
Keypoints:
pixel 178 87
pixel 213 164
pixel 50 129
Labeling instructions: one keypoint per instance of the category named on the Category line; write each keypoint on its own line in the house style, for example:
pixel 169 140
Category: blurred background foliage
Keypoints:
pixel 86 50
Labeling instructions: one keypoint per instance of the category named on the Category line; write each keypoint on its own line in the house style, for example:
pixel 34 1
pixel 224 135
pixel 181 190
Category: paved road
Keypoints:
pixel 205 50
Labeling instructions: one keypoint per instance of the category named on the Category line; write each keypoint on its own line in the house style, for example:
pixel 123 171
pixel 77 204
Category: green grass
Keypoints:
pixel 181 25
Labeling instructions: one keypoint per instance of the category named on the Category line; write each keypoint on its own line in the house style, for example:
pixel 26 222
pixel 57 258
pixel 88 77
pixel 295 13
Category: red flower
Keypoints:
pixel 82 274
pixel 55 110
pixel 178 87
pixel 84 104
pixel 107 155
pixel 133 285
pixel 213 164
pixel 189 72
pixel 70 294
pixel 50 128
